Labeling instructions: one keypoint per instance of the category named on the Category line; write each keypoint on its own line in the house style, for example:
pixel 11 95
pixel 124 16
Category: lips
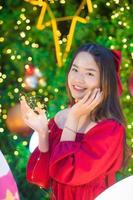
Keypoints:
pixel 77 88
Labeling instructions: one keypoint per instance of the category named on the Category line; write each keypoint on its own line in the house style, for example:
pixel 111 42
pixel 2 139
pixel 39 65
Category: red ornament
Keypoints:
pixel 31 77
pixel 30 70
pixel 130 83
pixel 15 123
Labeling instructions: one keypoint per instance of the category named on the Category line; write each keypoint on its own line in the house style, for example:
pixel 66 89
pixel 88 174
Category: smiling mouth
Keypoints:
pixel 79 89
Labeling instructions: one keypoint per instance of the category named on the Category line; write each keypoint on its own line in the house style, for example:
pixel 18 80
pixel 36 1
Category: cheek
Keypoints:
pixel 93 82
pixel 70 77
pixel 69 80
pixel 98 81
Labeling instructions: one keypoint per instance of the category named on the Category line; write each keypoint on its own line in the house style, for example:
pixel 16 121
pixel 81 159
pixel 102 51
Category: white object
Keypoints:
pixel 122 190
pixel 31 81
pixel 34 141
pixel 4 168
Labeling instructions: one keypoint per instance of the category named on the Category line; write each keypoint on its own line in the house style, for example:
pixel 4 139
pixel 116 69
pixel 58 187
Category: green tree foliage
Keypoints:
pixel 22 43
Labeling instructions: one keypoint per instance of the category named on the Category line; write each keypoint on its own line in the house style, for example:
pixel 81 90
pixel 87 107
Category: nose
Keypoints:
pixel 79 78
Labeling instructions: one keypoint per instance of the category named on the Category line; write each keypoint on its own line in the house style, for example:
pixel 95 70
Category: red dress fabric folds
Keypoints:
pixel 79 169
pixel 38 169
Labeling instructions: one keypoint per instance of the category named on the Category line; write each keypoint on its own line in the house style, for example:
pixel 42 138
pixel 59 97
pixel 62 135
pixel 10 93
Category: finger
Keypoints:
pixel 86 96
pixel 22 106
pixel 83 100
pixel 98 99
pixel 22 98
pixel 40 111
pixel 92 96
pixel 25 109
pixel 99 95
pixel 24 102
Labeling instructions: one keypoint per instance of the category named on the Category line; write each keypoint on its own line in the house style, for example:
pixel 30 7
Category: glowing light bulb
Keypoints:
pixel 16 153
pixel 15 137
pixel 29 58
pixel 27 42
pixel 8 51
pixel 124 40
pixel 23 9
pixel 20 80
pixel 108 4
pixel 18 22
pixel 122 9
pixel 95 6
pixel 2 39
pixel 62 107
pixel 12 57
pixel 16 90
pixel 129 126
pixel 1 130
pixel 25 143
pixel 27 21
pixel 46 99
pixel 28 28
pixel 4 76
pixel 128 97
pixel 22 34
pixel 18 57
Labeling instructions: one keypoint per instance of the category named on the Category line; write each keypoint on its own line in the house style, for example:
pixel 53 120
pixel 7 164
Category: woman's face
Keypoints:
pixel 84 74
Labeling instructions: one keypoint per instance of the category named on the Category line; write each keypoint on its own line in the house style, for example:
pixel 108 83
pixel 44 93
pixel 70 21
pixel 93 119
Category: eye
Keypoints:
pixel 90 74
pixel 74 69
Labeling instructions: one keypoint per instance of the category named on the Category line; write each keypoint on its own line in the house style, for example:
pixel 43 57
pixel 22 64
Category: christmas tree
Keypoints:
pixel 36 51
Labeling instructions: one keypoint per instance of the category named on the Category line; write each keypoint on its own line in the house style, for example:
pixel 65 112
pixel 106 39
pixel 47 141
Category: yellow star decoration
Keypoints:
pixel 9 196
pixel 53 22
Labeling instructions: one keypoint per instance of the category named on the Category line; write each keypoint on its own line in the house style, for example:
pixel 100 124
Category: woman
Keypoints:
pixel 82 147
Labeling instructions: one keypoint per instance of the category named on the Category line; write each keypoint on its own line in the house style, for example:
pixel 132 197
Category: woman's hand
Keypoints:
pixel 37 122
pixel 87 103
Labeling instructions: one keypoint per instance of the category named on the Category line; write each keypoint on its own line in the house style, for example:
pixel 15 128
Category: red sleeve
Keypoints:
pixel 100 151
pixel 37 171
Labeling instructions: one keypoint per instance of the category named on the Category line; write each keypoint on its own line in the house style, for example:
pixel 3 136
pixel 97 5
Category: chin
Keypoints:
pixel 78 97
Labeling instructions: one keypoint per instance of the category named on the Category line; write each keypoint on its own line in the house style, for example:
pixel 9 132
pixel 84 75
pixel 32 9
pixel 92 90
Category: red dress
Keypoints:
pixel 80 169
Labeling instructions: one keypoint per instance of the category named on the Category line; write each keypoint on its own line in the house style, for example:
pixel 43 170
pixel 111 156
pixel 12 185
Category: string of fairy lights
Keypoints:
pixel 28 41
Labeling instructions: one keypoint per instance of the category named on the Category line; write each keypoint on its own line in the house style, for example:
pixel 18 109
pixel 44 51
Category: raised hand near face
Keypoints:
pixel 87 103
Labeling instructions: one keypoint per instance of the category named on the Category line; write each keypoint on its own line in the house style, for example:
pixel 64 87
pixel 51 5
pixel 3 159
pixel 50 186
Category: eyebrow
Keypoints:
pixel 87 69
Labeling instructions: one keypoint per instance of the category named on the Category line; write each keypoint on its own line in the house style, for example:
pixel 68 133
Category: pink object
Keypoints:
pixel 79 169
pixel 8 187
